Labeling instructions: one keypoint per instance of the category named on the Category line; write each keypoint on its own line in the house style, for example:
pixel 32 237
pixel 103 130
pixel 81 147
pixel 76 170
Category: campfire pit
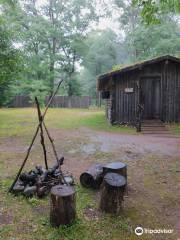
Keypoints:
pixel 40 181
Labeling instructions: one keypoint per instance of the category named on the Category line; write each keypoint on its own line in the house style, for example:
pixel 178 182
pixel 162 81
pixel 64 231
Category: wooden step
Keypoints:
pixel 153 124
pixel 155 128
pixel 151 132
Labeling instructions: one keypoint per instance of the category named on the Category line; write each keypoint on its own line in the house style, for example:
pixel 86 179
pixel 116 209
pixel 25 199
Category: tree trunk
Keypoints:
pixel 51 69
pixel 63 206
pixel 92 178
pixel 112 192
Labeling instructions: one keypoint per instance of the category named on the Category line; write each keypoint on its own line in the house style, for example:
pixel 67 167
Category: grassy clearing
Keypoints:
pixel 18 122
pixel 28 219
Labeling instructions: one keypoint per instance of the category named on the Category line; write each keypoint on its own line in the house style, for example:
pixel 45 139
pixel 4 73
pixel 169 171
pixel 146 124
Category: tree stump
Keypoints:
pixel 116 167
pixel 62 205
pixel 93 177
pixel 112 192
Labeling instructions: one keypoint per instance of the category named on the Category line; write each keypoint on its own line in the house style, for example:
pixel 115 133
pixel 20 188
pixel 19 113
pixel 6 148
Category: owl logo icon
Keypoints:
pixel 139 231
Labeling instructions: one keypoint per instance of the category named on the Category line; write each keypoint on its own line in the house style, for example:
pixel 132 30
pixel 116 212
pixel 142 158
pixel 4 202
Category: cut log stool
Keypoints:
pixel 62 205
pixel 116 167
pixel 93 177
pixel 112 192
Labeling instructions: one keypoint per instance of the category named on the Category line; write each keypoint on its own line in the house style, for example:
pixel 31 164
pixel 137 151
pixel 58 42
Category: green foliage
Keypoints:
pixel 9 64
pixel 147 41
pixel 57 41
pixel 151 10
pixel 52 39
pixel 100 56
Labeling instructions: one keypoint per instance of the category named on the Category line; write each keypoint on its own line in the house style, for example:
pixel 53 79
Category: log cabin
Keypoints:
pixel 152 84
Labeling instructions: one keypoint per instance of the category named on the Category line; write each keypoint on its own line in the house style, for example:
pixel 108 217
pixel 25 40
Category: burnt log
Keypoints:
pixel 18 187
pixel 29 191
pixel 112 192
pixel 39 170
pixel 93 177
pixel 62 205
pixel 28 178
pixel 116 167
pixel 42 191
pixel 52 170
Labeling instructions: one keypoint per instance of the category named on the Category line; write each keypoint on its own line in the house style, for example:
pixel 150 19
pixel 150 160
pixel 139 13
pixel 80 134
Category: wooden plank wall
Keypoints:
pixel 123 105
pixel 171 93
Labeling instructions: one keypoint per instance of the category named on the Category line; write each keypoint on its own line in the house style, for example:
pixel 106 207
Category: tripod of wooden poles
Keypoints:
pixel 41 127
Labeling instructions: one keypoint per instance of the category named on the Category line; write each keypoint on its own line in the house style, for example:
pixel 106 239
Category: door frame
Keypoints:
pixel 141 76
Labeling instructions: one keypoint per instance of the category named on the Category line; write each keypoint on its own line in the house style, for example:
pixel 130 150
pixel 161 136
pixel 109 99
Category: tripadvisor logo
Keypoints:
pixel 139 231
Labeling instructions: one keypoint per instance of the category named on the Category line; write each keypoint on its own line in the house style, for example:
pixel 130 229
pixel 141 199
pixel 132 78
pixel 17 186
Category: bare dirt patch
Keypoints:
pixel 92 213
pixel 5 219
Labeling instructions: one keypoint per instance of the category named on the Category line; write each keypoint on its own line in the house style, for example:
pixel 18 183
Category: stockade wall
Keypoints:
pixel 58 102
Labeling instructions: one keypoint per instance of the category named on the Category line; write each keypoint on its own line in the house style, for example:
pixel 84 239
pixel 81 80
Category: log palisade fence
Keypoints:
pixel 58 102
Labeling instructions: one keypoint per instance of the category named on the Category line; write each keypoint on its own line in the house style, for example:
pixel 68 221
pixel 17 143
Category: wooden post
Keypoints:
pixel 62 205
pixel 112 192
pixel 93 177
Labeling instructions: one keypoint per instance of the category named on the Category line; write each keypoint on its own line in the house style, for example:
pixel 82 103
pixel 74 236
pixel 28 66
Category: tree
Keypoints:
pixel 129 21
pixel 152 11
pixel 9 64
pixel 102 53
pixel 52 39
pixel 147 41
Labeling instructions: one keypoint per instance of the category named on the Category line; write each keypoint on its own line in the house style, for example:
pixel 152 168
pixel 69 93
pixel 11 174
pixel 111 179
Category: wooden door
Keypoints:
pixel 150 88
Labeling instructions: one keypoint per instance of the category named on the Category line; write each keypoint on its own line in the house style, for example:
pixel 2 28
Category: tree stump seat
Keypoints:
pixel 112 192
pixel 62 205
pixel 93 177
pixel 116 167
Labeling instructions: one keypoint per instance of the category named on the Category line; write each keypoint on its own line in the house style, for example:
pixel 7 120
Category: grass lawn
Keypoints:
pixel 175 128
pixel 28 219
pixel 13 122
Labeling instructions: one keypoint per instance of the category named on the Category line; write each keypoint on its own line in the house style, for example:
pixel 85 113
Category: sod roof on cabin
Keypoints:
pixel 138 65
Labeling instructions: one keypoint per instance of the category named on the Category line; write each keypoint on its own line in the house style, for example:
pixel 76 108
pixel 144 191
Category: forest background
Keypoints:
pixel 43 41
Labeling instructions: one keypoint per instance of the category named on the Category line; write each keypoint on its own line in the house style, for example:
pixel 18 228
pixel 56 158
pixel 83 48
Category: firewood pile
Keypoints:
pixel 38 182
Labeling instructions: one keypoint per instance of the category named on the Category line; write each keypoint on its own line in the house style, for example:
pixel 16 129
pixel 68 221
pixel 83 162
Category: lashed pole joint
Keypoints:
pixel 41 133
